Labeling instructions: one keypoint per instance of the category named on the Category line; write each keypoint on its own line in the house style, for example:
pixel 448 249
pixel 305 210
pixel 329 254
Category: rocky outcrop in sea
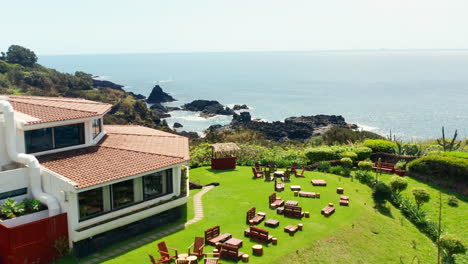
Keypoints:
pixel 157 96
pixel 208 108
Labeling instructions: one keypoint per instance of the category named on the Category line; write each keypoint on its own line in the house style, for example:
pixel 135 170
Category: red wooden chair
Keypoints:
pixel 294 168
pixel 301 174
pixel 197 247
pixel 160 260
pixel 257 173
pixel 287 175
pixel 257 166
pixel 164 251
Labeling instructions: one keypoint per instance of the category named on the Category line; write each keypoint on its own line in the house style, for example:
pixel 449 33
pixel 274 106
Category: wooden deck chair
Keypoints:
pixel 164 251
pixel 301 174
pixel 257 166
pixel 294 168
pixel 197 247
pixel 267 174
pixel 287 175
pixel 157 261
pixel 257 173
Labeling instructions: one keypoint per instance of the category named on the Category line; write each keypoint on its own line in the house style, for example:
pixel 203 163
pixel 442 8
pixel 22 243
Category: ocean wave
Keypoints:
pixel 102 78
pixel 367 128
pixel 164 81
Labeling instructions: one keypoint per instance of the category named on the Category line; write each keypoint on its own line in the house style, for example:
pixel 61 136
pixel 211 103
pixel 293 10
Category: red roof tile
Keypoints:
pixel 124 152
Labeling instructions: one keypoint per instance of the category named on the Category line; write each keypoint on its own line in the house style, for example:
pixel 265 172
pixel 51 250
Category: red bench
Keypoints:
pixel 384 167
pixel 258 234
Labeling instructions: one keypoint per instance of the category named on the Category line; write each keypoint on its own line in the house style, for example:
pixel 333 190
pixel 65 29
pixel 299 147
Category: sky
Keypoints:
pixel 51 27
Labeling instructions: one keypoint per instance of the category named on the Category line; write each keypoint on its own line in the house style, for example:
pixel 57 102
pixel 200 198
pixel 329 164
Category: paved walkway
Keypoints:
pixel 198 206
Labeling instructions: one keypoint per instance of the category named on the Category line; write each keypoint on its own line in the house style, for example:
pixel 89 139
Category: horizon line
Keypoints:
pixel 262 51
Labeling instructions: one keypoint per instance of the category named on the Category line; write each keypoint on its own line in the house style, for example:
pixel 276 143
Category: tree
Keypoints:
pixel 20 55
pixel 452 244
pixel 398 184
pixel 421 196
pixel 381 193
pixel 449 146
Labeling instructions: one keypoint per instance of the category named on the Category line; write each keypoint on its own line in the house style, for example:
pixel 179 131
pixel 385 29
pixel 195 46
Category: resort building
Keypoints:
pixel 111 182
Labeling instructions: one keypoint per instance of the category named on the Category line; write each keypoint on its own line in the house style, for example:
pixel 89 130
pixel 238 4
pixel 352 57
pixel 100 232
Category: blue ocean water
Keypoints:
pixel 412 93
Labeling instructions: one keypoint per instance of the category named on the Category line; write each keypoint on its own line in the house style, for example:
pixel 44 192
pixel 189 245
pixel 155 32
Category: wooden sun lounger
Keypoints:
pixel 213 236
pixel 253 218
pixel 274 202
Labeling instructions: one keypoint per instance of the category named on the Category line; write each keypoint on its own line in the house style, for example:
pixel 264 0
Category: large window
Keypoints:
pixel 54 137
pixel 97 127
pixel 157 184
pixel 13 193
pixel 90 203
pixel 122 194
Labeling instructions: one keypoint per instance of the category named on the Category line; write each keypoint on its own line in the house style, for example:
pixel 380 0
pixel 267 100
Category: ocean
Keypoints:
pixel 411 93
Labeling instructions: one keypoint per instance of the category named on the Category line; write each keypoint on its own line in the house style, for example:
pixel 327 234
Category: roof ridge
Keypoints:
pixel 156 154
pixel 55 98
pixel 128 134
pixel 57 107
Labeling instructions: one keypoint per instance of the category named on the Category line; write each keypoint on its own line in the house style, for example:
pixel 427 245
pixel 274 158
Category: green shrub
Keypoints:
pixel 462 155
pixel 346 172
pixel 32 205
pixel 10 208
pixel 412 149
pixel 449 170
pixel 452 244
pixel 324 166
pixel 347 162
pixel 381 193
pixel 398 184
pixel 365 177
pixel 365 165
pixel 452 201
pixel 349 154
pixel 421 196
pixel 363 153
pixel 321 154
pixel 336 170
pixel 401 164
pixel 380 145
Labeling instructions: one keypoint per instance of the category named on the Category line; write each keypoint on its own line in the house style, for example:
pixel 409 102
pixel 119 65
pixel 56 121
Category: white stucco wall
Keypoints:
pixel 14 179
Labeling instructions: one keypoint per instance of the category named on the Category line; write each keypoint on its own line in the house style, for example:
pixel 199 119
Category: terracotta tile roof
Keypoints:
pixel 119 155
pixel 54 109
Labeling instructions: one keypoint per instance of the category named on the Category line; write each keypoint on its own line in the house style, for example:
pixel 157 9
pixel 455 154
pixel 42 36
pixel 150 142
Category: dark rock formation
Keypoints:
pixel 107 84
pixel 294 128
pixel 177 125
pixel 159 96
pixel 240 107
pixel 190 135
pixel 138 96
pixel 172 108
pixel 208 108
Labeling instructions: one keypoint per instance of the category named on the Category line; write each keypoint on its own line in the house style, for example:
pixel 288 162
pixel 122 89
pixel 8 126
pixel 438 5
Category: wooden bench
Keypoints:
pixel 384 167
pixel 327 211
pixel 213 236
pixel 274 202
pixel 253 218
pixel 258 234
pixel 229 252
pixel 309 194
pixel 318 183
pixel 293 211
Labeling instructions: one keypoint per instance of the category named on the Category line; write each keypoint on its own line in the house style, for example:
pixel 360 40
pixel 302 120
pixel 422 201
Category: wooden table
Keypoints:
pixel 319 182
pixel 272 223
pixel 234 242
pixel 291 202
pixel 290 229
pixel 295 187
pixel 279 174
pixel 192 259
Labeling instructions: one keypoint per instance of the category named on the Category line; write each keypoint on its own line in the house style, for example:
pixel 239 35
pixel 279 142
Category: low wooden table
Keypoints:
pixel 295 187
pixel 182 256
pixel 245 258
pixel 272 223
pixel 291 202
pixel 290 229
pixel 279 210
pixel 192 259
pixel 257 250
pixel 234 242
pixel 319 182
pixel 279 174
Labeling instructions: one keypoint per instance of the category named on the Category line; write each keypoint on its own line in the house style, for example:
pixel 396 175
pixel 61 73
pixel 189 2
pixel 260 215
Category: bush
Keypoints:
pixel 412 149
pixel 452 201
pixel 365 177
pixel 450 170
pixel 421 196
pixel 452 244
pixel 462 155
pixel 401 164
pixel 366 165
pixel 347 162
pixel 336 170
pixel 32 205
pixel 398 184
pixel 381 193
pixel 363 153
pixel 324 166
pixel 380 145
pixel 349 154
pixel 346 172
pixel 321 154
pixel 11 209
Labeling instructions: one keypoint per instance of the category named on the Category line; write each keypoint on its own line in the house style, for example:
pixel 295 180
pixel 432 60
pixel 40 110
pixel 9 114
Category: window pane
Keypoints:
pixel 97 128
pixel 122 194
pixel 13 193
pixel 70 135
pixel 38 140
pixel 90 203
pixel 157 184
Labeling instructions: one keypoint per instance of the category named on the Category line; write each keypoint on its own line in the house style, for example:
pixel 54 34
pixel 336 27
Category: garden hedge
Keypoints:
pixel 380 145
pixel 335 153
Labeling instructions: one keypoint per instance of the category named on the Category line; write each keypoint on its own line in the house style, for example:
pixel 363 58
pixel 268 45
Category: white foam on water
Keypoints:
pixel 102 78
pixel 367 128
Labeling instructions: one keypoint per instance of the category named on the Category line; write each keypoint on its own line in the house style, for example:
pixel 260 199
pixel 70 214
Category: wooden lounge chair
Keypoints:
pixel 160 260
pixel 257 173
pixel 212 260
pixel 301 174
pixel 229 252
pixel 344 202
pixel 213 236
pixel 293 211
pixel 257 166
pixel 279 186
pixel 197 247
pixel 253 218
pixel 274 202
pixel 164 251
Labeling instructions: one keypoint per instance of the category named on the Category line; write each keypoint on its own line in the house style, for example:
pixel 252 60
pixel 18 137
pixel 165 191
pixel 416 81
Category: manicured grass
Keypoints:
pixel 354 234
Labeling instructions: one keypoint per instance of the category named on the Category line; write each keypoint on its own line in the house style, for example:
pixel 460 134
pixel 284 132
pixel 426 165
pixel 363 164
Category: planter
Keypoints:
pixel 400 172
pixel 223 163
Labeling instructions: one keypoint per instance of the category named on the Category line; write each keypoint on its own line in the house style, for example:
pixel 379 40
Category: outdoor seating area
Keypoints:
pixel 258 234
pixel 253 218
pixel 213 236
pixel 275 201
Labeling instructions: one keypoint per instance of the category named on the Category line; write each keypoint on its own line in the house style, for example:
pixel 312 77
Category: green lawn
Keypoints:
pixel 354 234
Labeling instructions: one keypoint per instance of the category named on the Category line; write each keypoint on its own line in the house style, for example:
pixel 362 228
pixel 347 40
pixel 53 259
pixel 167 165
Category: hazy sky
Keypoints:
pixel 115 26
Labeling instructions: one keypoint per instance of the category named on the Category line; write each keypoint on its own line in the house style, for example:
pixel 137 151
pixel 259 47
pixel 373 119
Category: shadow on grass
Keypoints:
pixel 384 210
pixel 221 171
pixel 443 189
